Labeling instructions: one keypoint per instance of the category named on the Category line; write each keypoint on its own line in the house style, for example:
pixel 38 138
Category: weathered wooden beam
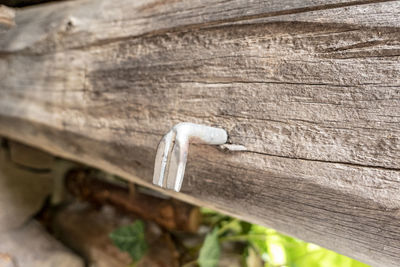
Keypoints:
pixel 311 88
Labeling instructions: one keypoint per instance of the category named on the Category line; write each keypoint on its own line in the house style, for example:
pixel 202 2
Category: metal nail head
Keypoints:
pixel 172 151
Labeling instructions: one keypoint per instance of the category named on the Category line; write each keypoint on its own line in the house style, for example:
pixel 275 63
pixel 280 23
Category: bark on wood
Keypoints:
pixel 311 88
pixel 169 213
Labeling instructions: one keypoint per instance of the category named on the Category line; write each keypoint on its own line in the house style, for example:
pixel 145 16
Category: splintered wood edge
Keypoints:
pixel 7 17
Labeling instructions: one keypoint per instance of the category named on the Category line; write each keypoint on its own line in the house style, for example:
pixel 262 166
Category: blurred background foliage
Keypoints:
pixel 258 246
pixel 269 248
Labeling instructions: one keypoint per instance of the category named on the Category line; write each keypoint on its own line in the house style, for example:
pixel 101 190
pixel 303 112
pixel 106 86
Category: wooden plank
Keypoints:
pixel 311 88
pixel 81 25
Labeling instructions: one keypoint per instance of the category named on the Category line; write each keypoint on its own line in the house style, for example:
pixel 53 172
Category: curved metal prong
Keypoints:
pixel 162 158
pixel 177 164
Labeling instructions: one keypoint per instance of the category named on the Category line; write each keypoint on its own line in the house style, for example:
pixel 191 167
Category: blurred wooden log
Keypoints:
pixel 30 157
pixel 169 213
pixel 87 231
pixel 310 87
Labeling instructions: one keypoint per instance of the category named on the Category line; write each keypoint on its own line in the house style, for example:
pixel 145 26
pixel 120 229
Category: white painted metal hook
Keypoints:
pixel 173 149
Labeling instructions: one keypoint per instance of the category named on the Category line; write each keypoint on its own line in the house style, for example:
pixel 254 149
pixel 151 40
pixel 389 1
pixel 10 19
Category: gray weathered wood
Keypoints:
pixel 311 88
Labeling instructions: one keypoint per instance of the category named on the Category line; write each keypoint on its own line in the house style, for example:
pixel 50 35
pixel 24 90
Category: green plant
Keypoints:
pixel 266 247
pixel 210 251
pixel 261 246
pixel 131 238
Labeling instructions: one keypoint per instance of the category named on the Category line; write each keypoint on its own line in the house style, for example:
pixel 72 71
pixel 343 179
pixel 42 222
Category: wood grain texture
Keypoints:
pixel 311 88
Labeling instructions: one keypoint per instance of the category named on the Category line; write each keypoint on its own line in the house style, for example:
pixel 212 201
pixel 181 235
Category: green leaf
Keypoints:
pixel 210 251
pixel 246 227
pixel 131 238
